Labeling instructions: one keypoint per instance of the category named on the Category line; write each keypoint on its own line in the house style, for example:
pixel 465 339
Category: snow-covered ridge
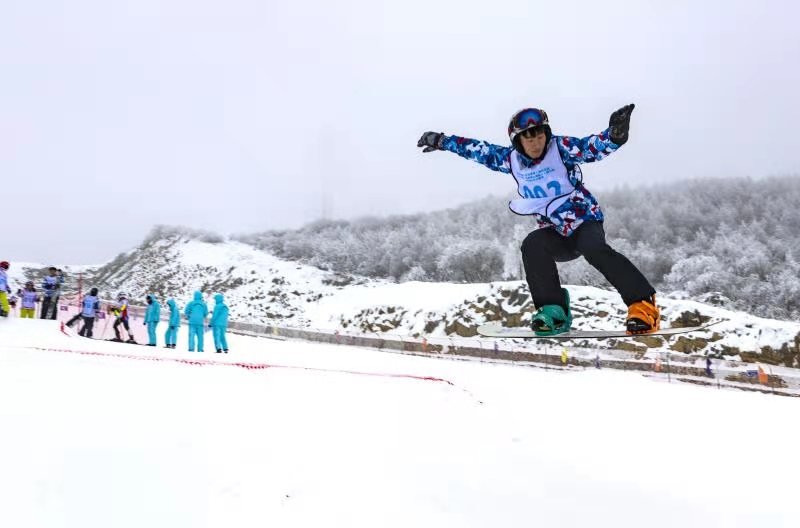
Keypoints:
pixel 261 288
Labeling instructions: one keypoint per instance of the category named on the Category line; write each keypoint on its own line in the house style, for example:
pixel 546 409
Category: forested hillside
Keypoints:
pixel 733 240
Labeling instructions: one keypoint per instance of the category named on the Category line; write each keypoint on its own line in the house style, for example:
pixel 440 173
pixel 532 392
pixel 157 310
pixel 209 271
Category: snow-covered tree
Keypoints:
pixel 713 235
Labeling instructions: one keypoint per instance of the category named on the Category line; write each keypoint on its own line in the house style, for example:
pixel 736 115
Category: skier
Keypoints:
pixel 219 323
pixel 569 219
pixel 29 298
pixel 151 318
pixel 5 289
pixel 196 312
pixel 171 335
pixel 120 311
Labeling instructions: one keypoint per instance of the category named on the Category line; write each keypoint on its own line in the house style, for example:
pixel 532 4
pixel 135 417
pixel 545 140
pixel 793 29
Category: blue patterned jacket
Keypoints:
pixel 581 206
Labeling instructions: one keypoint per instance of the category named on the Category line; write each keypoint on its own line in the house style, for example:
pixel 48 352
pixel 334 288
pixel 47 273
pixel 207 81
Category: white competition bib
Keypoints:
pixel 544 186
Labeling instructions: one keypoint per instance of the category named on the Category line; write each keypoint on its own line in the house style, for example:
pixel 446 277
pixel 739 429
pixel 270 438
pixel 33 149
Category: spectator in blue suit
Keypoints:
pixel 219 323
pixel 196 312
pixel 171 336
pixel 151 318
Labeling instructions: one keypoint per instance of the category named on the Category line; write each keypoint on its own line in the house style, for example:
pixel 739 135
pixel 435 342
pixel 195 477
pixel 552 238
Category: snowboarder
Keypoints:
pixel 569 219
pixel 5 289
pixel 90 307
pixel 29 298
pixel 56 294
pixel 196 312
pixel 219 323
pixel 51 285
pixel 152 316
pixel 120 311
pixel 171 335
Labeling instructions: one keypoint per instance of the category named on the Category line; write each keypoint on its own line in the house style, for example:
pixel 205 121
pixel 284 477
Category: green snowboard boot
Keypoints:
pixel 551 319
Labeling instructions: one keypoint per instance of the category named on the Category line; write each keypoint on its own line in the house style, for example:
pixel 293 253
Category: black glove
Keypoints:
pixel 431 141
pixel 619 123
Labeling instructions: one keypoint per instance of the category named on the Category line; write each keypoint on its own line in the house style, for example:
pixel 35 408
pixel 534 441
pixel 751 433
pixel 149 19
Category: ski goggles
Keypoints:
pixel 530 118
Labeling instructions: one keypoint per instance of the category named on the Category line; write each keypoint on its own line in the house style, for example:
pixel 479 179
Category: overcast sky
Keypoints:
pixel 245 115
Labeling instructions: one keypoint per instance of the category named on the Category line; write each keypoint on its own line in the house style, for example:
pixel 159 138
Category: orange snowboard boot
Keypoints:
pixel 643 317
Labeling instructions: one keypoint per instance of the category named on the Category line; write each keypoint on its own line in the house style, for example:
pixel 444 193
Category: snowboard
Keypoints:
pixel 496 330
pixel 126 342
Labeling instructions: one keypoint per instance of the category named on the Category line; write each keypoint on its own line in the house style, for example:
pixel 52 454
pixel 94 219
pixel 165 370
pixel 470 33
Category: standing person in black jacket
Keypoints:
pixel 51 289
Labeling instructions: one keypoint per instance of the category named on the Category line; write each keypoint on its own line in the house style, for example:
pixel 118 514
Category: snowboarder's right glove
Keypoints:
pixel 431 141
pixel 619 123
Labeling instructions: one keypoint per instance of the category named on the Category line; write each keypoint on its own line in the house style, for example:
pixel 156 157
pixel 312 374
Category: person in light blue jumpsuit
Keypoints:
pixel 196 312
pixel 171 335
pixel 151 318
pixel 219 323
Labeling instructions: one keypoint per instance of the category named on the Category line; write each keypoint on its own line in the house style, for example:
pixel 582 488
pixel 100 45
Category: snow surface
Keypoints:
pixel 99 434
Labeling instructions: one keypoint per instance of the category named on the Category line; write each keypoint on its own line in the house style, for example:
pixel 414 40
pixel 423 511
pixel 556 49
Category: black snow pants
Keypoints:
pixel 542 248
pixel 124 323
pixel 49 306
pixel 88 325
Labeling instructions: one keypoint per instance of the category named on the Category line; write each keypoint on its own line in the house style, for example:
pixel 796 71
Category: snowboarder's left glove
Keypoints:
pixel 619 123
pixel 431 141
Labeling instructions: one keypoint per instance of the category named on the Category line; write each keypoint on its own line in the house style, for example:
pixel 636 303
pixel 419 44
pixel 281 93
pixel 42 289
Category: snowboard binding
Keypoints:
pixel 551 319
pixel 643 317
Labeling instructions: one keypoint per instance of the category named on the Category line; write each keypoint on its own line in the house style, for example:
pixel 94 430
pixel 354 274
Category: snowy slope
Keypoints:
pixel 441 309
pixel 292 434
pixel 258 286
pixel 261 288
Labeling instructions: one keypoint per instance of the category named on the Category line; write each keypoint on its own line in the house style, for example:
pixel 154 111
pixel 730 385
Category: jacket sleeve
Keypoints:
pixel 214 316
pixel 494 157
pixel 592 148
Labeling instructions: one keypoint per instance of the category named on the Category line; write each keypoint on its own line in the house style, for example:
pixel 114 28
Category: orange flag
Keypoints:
pixel 762 376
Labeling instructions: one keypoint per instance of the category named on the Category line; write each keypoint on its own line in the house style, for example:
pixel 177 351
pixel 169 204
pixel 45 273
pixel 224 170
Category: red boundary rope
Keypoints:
pixel 248 366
